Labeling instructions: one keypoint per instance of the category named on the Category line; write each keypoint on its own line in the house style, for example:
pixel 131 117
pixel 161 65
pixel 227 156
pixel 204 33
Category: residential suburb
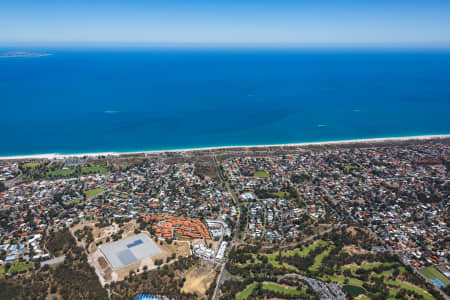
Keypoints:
pixel 362 220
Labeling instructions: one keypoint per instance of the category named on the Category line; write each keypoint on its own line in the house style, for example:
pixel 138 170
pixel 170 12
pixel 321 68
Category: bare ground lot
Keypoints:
pixel 199 278
pixel 103 269
pixel 106 274
pixel 352 249
pixel 180 248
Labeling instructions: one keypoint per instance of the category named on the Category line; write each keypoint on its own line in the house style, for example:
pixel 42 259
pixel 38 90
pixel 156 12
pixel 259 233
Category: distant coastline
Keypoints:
pixel 306 144
pixel 22 54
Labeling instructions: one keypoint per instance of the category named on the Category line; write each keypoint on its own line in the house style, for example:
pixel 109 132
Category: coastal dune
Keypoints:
pixel 52 156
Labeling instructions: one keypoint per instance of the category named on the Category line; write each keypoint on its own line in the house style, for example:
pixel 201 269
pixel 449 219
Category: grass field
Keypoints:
pixel 410 287
pixel 94 170
pixel 396 284
pixel 305 250
pixel 279 288
pixel 371 266
pixel 282 195
pixel 432 272
pixel 272 258
pixel 74 201
pixel 16 266
pixel 272 261
pixel 261 174
pixel 33 165
pixel 271 287
pixel 341 279
pixel 318 259
pixel 247 292
pixel 391 271
pixel 352 283
pixel 354 290
pixel 92 193
pixel 348 168
pixel 392 283
pixel 61 173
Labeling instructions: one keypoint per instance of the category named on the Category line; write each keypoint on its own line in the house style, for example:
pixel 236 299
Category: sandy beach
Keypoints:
pixel 52 156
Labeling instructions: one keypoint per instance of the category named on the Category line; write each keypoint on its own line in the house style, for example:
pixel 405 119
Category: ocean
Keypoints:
pixel 125 99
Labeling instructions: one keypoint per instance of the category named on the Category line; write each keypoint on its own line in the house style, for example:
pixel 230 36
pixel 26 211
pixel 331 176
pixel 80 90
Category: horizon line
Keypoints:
pixel 369 45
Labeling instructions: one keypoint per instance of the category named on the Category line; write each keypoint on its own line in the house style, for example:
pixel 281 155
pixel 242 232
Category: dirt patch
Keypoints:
pixel 53 296
pixel 180 248
pixel 102 262
pixel 352 249
pixel 128 229
pixel 354 230
pixel 108 274
pixel 199 278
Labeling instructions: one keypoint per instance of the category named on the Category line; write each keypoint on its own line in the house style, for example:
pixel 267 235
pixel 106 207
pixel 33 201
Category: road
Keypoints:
pixel 11 182
pixel 53 261
pixel 221 276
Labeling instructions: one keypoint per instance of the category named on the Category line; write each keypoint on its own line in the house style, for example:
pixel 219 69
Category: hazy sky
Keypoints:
pixel 225 21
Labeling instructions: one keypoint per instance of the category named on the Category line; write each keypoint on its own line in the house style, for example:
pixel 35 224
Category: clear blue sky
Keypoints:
pixel 424 22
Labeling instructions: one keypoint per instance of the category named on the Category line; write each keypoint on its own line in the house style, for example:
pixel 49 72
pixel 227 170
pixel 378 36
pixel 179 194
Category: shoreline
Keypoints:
pixel 52 156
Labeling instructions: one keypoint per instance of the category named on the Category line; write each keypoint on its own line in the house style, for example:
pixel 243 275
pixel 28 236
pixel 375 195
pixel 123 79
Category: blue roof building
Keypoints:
pixel 10 258
pixel 147 297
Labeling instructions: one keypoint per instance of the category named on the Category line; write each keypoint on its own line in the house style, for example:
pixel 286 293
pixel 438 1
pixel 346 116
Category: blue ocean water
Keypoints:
pixel 94 100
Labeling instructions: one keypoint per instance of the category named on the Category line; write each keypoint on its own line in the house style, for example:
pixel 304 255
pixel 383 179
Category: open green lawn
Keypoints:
pixel 341 279
pixel 354 285
pixel 272 261
pixel 261 174
pixel 272 258
pixel 275 263
pixel 282 195
pixel 92 193
pixel 410 287
pixel 392 283
pixel 305 250
pixel 432 272
pixel 371 266
pixel 16 266
pixel 61 172
pixel 94 170
pixel 279 288
pixel 33 165
pixel 271 287
pixel 318 259
pixel 247 292
pixel 354 290
pixel 390 272
pixel 348 168
pixel 75 201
